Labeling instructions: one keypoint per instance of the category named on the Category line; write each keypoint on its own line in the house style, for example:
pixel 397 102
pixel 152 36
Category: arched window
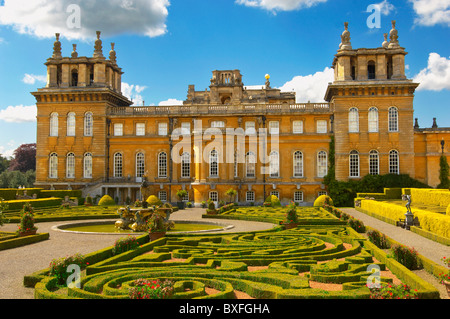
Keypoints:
pixel 162 165
pixel 87 165
pixel 54 124
pixel 322 164
pixel 186 165
pixel 71 124
pixel 140 164
pixel 88 124
pixel 353 120
pixel 274 164
pixel 236 163
pixel 374 163
pixel 298 164
pixel 53 166
pixel 393 119
pixel 214 164
pixel 371 74
pixel 354 164
pixel 373 120
pixel 394 162
pixel 250 164
pixel 118 165
pixel 70 165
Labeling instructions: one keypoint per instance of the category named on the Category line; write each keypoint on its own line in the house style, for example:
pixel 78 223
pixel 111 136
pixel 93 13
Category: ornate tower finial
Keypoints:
pixel 112 54
pixel 57 48
pixel 74 53
pixel 386 42
pixel 345 38
pixel 267 82
pixel 98 53
pixel 393 37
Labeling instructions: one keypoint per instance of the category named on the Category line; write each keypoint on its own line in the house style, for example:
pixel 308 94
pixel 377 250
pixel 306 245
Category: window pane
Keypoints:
pixel 297 127
pixel 162 165
pixel 118 165
pixel 354 164
pixel 298 197
pixel 140 165
pixel 250 197
pixel 54 124
pixel 186 165
pixel 53 166
pixel 162 129
pixel 71 124
pixel 394 163
pixel 274 127
pixel 185 128
pixel 373 163
pixel 70 167
pixel 162 196
pixel 88 124
pixel 393 119
pixel 353 120
pixel 214 164
pixel 250 164
pixel 274 164
pixel 322 126
pixel 214 196
pixel 118 129
pixel 140 129
pixel 298 164
pixel 373 120
pixel 322 164
pixel 88 165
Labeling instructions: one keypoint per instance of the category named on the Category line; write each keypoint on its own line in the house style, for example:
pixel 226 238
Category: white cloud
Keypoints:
pixel 19 114
pixel 133 92
pixel 31 79
pixel 280 5
pixel 171 102
pixel 432 12
pixel 80 19
pixel 310 87
pixel 436 76
pixel 385 7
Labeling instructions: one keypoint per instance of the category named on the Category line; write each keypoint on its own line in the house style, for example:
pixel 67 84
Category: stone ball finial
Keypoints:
pixel 112 53
pixel 345 39
pixel 74 53
pixel 98 46
pixel 393 37
pixel 57 47
pixel 386 42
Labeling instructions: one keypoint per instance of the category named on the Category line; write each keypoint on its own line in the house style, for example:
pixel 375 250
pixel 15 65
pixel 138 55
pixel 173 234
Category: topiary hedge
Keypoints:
pixel 106 200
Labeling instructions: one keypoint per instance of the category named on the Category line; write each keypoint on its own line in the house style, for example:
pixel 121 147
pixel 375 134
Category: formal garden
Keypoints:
pixel 312 252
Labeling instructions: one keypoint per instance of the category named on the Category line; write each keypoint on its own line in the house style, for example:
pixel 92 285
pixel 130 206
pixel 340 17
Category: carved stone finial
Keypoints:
pixel 393 37
pixel 345 39
pixel 112 54
pixel 74 53
pixel 98 53
pixel 386 42
pixel 57 48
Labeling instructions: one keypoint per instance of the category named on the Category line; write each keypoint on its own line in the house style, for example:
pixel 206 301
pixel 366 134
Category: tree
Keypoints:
pixel 231 192
pixel 4 164
pixel 443 173
pixel 24 158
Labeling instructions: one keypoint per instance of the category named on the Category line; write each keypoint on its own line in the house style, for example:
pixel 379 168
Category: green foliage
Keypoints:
pixel 408 257
pixel 272 201
pixel 153 200
pixel 3 207
pixel 15 179
pixel 106 201
pixel 393 292
pixel 88 200
pixel 443 173
pixel 58 267
pixel 125 244
pixel 378 239
pixel 322 200
pixel 27 219
pixel 151 289
pixel 181 193
pixel 291 214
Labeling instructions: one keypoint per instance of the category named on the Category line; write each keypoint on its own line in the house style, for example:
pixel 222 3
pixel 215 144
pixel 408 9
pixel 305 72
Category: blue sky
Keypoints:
pixel 164 46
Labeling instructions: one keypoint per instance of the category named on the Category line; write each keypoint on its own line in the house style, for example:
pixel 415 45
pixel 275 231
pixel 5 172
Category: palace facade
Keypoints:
pixel 258 141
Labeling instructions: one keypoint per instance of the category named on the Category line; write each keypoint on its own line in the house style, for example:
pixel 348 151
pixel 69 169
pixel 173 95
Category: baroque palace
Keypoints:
pixel 258 141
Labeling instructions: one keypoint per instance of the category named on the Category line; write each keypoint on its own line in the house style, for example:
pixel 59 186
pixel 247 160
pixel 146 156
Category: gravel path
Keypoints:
pixel 17 262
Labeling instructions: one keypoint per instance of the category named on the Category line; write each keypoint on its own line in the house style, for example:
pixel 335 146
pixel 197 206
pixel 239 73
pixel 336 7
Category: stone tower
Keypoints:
pixel 373 109
pixel 72 127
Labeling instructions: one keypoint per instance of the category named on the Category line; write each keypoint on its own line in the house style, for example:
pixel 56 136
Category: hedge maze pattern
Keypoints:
pixel 270 264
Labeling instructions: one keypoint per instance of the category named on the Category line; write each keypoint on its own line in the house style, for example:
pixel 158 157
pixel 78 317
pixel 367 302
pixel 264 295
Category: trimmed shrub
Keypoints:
pixel 125 244
pixel 59 193
pixel 378 239
pixel 153 200
pixel 106 201
pixel 323 199
pixel 272 201
pixel 408 257
pixel 16 205
pixel 58 267
pixel 437 197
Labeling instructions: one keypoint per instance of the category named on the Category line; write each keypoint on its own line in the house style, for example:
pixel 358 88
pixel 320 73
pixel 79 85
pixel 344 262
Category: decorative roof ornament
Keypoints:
pixel 393 44
pixel 112 53
pixel 57 48
pixel 386 42
pixel 345 38
pixel 74 53
pixel 98 53
pixel 267 81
